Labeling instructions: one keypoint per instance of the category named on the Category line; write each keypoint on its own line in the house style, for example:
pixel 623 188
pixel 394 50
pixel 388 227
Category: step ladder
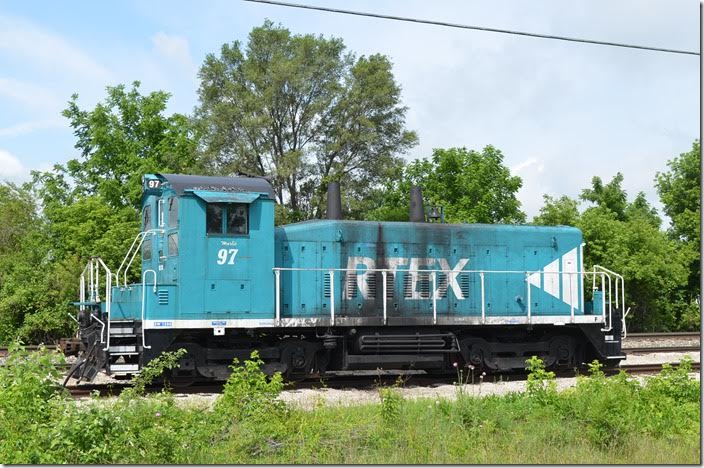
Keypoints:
pixel 125 347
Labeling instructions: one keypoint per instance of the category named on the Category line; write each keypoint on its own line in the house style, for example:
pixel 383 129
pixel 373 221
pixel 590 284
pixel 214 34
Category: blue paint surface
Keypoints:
pixel 216 277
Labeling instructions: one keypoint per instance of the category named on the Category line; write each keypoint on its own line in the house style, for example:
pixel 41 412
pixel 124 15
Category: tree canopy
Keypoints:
pixel 471 186
pixel 561 211
pixel 610 196
pixel 122 138
pixel 86 207
pixel 302 111
pixel 626 237
pixel 680 193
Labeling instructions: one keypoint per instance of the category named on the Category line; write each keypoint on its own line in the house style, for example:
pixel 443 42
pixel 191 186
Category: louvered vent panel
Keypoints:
pixel 424 285
pixel 351 284
pixel 163 295
pixel 464 284
pixel 390 285
pixel 371 285
pixel 442 285
pixel 407 283
pixel 326 284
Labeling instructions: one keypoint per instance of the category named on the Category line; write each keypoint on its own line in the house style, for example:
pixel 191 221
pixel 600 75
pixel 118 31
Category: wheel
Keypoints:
pixel 297 356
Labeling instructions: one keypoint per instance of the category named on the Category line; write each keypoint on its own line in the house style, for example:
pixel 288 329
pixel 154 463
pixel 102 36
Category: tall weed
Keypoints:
pixel 541 384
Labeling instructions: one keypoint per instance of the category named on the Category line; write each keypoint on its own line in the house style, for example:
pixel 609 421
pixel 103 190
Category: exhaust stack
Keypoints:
pixel 417 214
pixel 334 209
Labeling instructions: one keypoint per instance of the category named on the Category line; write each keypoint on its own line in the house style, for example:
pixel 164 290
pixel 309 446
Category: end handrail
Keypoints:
pixel 132 253
pixel 619 293
pixel 129 251
pixel 144 289
pixel 102 329
pixel 93 266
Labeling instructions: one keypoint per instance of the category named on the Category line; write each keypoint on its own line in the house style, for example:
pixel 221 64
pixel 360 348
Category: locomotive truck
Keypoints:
pixel 220 280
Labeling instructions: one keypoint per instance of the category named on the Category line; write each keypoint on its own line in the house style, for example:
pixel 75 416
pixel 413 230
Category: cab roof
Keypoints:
pixel 182 182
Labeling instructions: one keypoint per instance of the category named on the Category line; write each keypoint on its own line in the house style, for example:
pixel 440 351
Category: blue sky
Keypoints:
pixel 560 112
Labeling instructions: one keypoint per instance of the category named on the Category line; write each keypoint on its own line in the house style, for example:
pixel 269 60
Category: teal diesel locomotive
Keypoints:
pixel 220 280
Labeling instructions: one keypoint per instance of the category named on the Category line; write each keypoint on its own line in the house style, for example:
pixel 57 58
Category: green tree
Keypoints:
pixel 649 262
pixel 640 208
pixel 33 285
pixel 626 237
pixel 124 137
pixel 89 206
pixel 680 193
pixel 471 186
pixel 561 211
pixel 302 111
pixel 92 203
pixel 610 196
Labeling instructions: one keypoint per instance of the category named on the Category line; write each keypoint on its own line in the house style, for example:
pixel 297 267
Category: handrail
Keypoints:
pixel 450 275
pixel 93 268
pixel 618 281
pixel 144 289
pixel 407 270
pixel 117 274
pixel 621 280
pixel 138 240
pixel 102 329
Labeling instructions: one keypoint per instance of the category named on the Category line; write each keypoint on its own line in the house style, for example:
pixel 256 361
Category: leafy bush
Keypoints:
pixel 601 420
pixel 249 393
pixel 541 383
pixel 29 399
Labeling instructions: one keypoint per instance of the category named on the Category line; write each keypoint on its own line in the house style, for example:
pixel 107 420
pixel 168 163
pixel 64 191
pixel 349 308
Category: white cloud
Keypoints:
pixel 10 166
pixel 47 50
pixel 522 165
pixel 23 128
pixel 29 94
pixel 173 48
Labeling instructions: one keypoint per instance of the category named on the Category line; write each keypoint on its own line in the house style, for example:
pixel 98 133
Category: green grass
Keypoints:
pixel 601 420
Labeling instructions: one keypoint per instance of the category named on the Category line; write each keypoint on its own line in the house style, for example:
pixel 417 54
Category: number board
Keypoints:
pixel 152 185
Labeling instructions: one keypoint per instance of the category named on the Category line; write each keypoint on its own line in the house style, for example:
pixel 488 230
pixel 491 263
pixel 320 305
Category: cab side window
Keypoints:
pixel 237 219
pixel 227 218
pixel 147 218
pixel 172 244
pixel 147 225
pixel 173 212
pixel 214 219
pixel 147 248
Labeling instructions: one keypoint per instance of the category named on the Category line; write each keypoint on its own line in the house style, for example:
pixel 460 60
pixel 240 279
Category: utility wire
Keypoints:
pixel 478 28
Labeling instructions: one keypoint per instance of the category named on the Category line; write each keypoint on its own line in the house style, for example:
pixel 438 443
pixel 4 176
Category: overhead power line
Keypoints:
pixel 477 28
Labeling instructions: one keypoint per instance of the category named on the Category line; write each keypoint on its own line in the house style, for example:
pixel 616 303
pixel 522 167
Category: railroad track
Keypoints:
pixel 661 349
pixel 691 335
pixel 359 382
pixel 4 349
pixel 651 368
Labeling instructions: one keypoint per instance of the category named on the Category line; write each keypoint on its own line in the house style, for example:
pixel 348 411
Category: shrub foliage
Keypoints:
pixel 600 420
